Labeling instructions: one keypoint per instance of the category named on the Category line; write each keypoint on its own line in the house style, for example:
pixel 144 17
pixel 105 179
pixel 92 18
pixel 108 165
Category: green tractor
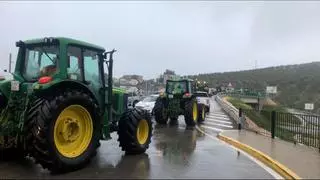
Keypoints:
pixel 61 103
pixel 178 99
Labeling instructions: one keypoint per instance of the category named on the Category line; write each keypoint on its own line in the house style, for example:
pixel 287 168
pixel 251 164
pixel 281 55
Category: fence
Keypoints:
pixel 293 127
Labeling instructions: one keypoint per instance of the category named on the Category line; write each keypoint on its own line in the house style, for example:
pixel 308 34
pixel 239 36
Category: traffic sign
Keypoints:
pixel 308 106
pixel 271 89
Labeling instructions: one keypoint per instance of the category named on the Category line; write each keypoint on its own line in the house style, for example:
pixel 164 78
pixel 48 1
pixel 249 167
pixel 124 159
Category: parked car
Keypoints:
pixel 203 98
pixel 148 103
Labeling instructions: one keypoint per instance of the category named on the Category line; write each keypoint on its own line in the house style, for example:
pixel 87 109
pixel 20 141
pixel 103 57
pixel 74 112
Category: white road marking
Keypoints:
pixel 214 120
pixel 218 114
pixel 217 117
pixel 217 124
pixel 208 127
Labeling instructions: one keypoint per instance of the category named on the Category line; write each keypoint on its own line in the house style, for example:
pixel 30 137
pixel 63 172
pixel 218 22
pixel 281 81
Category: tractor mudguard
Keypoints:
pixel 60 84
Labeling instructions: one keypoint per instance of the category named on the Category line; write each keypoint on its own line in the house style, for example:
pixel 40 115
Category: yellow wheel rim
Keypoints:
pixel 142 131
pixel 73 131
pixel 195 111
pixel 203 113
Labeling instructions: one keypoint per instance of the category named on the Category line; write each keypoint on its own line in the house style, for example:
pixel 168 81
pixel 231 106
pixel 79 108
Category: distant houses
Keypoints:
pixel 135 84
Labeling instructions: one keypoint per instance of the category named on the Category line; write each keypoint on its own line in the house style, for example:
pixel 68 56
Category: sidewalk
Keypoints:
pixel 302 160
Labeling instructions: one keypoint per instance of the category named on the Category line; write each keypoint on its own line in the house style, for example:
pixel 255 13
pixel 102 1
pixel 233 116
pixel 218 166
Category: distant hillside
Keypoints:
pixel 296 84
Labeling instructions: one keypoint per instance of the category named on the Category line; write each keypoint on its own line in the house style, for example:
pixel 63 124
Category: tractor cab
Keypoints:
pixel 179 88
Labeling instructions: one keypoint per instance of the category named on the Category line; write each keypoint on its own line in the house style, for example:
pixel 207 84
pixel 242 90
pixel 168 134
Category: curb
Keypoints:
pixel 275 165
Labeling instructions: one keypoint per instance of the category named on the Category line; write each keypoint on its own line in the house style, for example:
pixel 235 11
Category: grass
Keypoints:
pixel 238 103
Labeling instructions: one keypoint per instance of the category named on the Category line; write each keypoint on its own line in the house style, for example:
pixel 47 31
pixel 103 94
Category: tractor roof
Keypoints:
pixel 65 40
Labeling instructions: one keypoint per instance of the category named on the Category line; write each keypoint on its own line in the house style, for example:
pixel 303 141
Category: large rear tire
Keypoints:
pixel 160 113
pixel 191 112
pixel 135 131
pixel 63 130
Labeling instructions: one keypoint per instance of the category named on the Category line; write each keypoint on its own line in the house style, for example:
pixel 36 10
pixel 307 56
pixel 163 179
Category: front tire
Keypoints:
pixel 135 131
pixel 134 103
pixel 208 109
pixel 63 130
pixel 202 113
pixel 191 112
pixel 160 114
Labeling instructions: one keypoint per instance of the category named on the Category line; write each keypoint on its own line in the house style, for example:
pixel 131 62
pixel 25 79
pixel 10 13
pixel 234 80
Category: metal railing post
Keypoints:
pixel 240 118
pixel 273 123
pixel 318 120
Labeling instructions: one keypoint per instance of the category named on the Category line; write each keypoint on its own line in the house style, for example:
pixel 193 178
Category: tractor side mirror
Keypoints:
pixel 104 55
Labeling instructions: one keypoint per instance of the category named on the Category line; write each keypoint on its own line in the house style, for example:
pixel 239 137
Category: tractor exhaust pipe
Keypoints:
pixel 109 63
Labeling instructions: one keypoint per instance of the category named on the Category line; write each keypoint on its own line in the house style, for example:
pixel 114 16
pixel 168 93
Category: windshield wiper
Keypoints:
pixel 47 55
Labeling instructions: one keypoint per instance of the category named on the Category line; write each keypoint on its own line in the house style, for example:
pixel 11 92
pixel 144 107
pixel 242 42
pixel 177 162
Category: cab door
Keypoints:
pixel 92 74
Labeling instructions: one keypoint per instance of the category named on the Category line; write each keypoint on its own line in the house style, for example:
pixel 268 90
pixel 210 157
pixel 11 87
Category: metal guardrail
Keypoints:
pixel 228 107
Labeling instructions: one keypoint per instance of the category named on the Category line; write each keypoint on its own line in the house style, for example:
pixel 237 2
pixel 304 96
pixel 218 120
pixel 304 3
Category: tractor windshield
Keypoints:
pixel 176 87
pixel 40 61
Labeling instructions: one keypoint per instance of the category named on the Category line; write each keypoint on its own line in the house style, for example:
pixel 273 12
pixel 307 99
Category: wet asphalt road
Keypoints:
pixel 175 152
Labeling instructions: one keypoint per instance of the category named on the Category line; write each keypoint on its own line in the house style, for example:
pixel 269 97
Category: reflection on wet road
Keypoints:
pixel 175 152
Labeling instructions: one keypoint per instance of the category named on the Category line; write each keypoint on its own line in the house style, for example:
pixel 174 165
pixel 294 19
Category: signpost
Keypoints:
pixel 271 89
pixel 308 106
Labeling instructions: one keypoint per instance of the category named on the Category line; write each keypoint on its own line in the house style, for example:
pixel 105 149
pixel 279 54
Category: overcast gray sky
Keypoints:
pixel 188 37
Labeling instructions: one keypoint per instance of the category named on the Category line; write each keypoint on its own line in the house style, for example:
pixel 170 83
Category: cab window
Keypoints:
pixel 74 63
pixel 91 67
pixel 40 61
